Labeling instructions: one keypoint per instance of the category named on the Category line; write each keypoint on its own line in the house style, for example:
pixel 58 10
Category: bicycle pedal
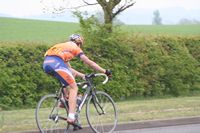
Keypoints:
pixel 77 127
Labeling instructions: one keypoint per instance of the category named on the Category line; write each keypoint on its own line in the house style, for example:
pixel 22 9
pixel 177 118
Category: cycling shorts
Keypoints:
pixel 55 66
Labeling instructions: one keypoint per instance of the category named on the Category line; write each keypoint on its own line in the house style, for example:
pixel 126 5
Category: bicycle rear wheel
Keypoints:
pixel 101 113
pixel 51 118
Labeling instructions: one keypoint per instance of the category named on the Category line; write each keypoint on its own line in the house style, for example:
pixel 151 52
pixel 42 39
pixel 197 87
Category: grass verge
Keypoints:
pixel 128 111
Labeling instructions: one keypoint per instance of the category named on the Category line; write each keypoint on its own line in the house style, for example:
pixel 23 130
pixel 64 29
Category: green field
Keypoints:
pixel 35 30
pixel 164 29
pixel 49 31
pixel 128 111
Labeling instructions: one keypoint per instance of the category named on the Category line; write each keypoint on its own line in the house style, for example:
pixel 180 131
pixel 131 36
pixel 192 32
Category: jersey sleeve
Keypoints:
pixel 79 52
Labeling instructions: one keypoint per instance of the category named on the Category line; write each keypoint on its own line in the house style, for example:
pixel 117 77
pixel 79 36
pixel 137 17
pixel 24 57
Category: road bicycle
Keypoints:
pixel 100 112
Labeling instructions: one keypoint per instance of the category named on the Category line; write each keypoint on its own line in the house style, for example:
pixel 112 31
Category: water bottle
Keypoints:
pixel 79 100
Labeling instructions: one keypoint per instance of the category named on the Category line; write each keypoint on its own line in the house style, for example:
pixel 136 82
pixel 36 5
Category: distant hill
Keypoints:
pixel 164 29
pixel 4 15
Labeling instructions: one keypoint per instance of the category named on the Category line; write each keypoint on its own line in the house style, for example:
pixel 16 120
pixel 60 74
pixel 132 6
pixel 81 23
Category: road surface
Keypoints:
pixel 179 125
pixel 192 128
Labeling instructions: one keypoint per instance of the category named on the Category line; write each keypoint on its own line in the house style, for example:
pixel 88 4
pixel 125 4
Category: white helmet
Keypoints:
pixel 76 38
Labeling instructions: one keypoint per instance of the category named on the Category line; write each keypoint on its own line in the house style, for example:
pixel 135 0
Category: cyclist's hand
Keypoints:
pixel 108 73
pixel 83 77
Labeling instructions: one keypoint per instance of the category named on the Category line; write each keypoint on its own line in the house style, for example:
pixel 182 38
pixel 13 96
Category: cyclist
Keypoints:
pixel 57 60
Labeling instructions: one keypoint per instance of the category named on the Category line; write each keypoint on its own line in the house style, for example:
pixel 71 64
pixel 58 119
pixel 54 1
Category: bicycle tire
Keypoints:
pixel 47 115
pixel 98 122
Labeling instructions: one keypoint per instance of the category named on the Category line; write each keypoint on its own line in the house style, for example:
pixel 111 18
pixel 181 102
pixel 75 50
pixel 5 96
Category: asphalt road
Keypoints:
pixel 192 128
pixel 180 125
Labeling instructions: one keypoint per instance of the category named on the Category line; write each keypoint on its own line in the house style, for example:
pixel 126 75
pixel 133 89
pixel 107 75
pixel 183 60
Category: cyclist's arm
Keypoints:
pixel 76 73
pixel 92 64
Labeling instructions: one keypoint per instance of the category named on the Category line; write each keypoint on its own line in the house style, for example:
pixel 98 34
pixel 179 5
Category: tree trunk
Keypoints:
pixel 108 13
pixel 108 20
pixel 108 10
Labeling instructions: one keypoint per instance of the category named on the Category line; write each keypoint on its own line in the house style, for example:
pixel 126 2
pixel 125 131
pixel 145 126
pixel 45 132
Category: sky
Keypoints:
pixel 171 11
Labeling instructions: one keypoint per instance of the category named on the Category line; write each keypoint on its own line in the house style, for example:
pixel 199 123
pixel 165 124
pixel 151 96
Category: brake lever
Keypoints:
pixel 90 76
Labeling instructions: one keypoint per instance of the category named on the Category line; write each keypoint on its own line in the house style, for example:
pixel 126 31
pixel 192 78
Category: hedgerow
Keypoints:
pixel 141 65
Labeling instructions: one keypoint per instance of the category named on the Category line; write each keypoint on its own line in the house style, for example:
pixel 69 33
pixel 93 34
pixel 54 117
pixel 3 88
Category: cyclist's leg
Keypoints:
pixel 63 73
pixel 73 89
pixel 66 93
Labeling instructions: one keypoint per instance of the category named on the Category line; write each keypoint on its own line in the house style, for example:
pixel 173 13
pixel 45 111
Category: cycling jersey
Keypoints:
pixel 65 51
pixel 56 58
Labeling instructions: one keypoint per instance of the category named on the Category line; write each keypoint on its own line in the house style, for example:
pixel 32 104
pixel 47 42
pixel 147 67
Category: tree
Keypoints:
pixel 157 20
pixel 111 8
pixel 100 18
pixel 186 21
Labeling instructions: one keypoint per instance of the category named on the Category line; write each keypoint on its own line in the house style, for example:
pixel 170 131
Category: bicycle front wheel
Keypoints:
pixel 101 113
pixel 49 116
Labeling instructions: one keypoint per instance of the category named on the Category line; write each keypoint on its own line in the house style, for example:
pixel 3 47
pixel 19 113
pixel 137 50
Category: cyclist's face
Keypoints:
pixel 79 42
pixel 80 45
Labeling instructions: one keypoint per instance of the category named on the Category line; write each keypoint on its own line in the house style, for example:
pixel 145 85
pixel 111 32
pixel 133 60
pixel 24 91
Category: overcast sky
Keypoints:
pixel 140 13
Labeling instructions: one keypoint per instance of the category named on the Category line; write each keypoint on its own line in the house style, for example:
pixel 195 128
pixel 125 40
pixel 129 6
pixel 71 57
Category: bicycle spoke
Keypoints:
pixel 48 115
pixel 101 112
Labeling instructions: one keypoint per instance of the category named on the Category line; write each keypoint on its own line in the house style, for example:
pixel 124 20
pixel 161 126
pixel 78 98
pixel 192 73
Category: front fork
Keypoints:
pixel 97 104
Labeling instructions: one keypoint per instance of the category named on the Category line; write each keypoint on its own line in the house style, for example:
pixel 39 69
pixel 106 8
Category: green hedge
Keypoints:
pixel 22 81
pixel 142 66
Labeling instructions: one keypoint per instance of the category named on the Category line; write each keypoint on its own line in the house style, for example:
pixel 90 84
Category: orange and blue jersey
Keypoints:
pixel 55 59
pixel 65 51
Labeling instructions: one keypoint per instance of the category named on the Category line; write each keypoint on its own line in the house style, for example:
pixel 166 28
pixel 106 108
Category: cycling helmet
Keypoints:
pixel 76 38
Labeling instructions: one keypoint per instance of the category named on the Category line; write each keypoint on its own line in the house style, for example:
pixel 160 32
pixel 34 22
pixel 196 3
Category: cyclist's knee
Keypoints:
pixel 73 86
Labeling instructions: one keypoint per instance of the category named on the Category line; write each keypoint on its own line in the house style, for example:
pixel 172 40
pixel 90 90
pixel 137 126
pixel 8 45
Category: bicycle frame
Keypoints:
pixel 90 91
pixel 87 93
pixel 91 97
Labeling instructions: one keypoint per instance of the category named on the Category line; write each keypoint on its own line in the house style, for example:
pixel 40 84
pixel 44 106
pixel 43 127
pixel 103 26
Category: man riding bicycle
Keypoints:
pixel 57 59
